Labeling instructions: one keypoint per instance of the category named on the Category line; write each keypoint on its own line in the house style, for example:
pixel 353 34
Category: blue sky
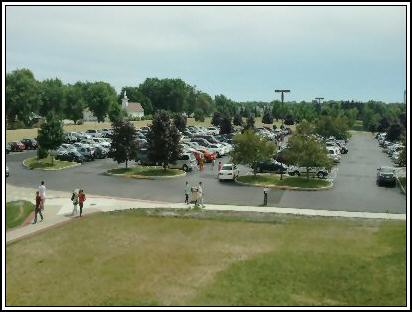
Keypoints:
pixel 244 53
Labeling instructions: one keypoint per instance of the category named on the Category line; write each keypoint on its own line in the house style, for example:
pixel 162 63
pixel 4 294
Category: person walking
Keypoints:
pixel 219 167
pixel 42 192
pixel 187 192
pixel 75 201
pixel 213 164
pixel 200 194
pixel 82 198
pixel 37 209
pixel 265 196
pixel 201 164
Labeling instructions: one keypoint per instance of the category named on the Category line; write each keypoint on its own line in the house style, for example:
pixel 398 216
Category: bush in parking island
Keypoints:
pixel 249 149
pixel 306 151
pixel 51 134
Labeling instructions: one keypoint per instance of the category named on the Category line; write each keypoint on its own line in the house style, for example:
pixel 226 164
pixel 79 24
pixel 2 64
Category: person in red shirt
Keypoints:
pixel 37 210
pixel 82 198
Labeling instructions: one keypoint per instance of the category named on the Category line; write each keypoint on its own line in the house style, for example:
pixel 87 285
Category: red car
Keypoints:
pixel 209 156
pixel 17 146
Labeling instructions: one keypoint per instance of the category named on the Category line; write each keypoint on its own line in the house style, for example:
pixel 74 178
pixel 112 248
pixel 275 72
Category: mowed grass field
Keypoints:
pixel 129 258
pixel 19 134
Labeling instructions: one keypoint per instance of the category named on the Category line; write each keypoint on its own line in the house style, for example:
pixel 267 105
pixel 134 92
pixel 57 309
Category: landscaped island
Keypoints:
pixel 274 180
pixel 145 171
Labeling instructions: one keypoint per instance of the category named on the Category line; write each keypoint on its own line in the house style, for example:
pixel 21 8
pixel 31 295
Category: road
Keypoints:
pixel 354 190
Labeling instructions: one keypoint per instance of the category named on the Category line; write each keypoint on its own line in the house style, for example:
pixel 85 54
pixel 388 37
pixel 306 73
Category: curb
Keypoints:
pixel 136 176
pixel 288 188
pixel 400 185
pixel 51 169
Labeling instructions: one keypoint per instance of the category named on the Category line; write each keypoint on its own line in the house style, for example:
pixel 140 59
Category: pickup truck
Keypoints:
pixel 319 172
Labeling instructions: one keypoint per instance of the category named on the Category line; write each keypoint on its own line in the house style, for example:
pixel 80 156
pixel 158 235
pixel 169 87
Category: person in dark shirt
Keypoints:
pixel 37 210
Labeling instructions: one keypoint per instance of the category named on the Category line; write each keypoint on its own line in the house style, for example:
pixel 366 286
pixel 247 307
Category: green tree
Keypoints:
pixel 250 123
pixel 217 119
pixel 163 140
pixel 337 127
pixel 226 125
pixel 306 151
pixel 124 144
pixel 52 95
pixel 305 128
pixel 74 102
pixel 199 115
pixel 237 120
pixel 394 132
pixel 267 117
pixel 22 95
pixel 50 135
pixel 289 120
pixel 100 98
pixel 116 113
pixel 249 149
pixel 180 121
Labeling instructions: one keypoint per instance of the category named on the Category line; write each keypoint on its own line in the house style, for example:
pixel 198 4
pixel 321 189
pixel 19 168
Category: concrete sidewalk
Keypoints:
pixel 58 209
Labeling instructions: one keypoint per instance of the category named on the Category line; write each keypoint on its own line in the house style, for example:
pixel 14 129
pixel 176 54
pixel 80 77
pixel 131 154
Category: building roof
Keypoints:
pixel 134 107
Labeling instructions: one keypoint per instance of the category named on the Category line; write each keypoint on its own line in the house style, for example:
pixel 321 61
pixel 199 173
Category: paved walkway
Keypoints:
pixel 58 209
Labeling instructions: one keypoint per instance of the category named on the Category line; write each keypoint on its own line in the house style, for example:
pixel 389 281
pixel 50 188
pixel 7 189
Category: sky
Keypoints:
pixel 243 52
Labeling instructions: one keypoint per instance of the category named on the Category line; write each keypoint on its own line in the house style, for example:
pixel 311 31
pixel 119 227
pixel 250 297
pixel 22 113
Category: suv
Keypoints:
pixel 385 175
pixel 270 166
pixel 186 162
pixel 30 143
pixel 93 133
pixel 319 172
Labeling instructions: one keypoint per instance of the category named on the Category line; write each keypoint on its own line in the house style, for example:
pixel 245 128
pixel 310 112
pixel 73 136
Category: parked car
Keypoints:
pixel 385 176
pixel 17 146
pixel 30 144
pixel 228 172
pixel 333 153
pixel 270 166
pixel 71 155
pixel 319 172
pixel 186 162
pixel 143 159
pixel 7 171
pixel 86 152
pixel 8 148
pixel 93 133
pixel 70 137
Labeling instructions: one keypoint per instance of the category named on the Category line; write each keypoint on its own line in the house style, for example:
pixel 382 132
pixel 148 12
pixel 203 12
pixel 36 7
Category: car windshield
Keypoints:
pixel 386 170
pixel 227 167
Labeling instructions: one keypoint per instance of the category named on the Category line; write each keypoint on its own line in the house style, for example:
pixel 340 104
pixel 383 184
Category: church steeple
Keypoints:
pixel 125 100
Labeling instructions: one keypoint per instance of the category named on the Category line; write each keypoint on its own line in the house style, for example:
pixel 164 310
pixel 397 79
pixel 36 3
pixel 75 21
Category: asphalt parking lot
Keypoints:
pixel 355 188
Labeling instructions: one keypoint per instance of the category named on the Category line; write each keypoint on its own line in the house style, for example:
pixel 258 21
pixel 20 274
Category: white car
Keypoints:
pixel 333 153
pixel 213 130
pixel 228 172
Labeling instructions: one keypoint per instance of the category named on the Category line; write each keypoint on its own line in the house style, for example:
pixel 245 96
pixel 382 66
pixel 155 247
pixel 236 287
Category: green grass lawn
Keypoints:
pixel 17 212
pixel 286 181
pixel 130 258
pixel 146 171
pixel 46 163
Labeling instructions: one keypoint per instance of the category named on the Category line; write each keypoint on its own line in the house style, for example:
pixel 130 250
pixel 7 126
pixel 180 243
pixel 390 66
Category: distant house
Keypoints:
pixel 88 115
pixel 132 109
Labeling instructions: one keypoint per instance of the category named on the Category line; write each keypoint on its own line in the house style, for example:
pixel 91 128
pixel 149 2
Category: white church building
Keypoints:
pixel 132 109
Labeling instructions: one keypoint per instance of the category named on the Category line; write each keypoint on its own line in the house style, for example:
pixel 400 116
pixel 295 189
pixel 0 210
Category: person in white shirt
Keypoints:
pixel 265 196
pixel 187 192
pixel 200 194
pixel 42 193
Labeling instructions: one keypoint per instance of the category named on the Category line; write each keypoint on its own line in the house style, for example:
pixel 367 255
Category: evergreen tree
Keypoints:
pixel 226 125
pixel 250 123
pixel 217 119
pixel 267 117
pixel 50 135
pixel 180 121
pixel 237 120
pixel 124 144
pixel 163 140
pixel 199 115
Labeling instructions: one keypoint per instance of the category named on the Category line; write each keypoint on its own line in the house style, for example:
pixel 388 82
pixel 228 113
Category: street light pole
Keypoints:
pixel 282 92
pixel 319 99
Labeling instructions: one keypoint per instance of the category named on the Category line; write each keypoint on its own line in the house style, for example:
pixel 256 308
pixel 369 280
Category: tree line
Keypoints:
pixel 26 95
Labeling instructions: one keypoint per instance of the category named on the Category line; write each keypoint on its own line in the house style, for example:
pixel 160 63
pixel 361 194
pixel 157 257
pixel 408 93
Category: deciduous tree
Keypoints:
pixel 124 144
